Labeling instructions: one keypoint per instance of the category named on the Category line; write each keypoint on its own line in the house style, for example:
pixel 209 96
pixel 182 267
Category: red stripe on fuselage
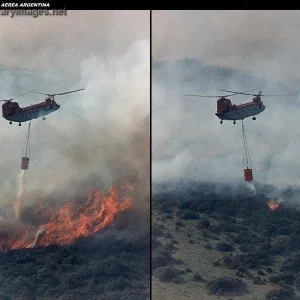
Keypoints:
pixel 246 105
pixel 40 105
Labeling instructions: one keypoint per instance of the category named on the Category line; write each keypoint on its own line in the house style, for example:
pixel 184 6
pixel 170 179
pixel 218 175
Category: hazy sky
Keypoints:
pixel 253 41
pixel 188 140
pixel 105 52
pixel 56 42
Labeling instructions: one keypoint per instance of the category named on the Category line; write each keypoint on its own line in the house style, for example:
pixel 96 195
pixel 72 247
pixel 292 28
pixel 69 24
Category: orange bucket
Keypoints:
pixel 24 163
pixel 248 176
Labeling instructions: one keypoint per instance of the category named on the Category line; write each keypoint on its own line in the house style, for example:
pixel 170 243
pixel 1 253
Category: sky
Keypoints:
pixel 252 41
pixel 91 139
pixel 188 140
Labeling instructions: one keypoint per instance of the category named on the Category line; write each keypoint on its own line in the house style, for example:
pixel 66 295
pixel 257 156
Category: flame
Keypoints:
pixel 72 221
pixel 273 205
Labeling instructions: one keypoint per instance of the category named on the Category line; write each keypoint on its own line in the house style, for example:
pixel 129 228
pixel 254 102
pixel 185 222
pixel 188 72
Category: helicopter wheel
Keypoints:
pixel 10 122
pixel 234 122
pixel 253 118
pixel 19 124
pixel 44 118
pixel 221 122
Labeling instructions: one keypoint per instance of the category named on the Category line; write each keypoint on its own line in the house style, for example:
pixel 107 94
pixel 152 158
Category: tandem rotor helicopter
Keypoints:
pixel 12 112
pixel 231 112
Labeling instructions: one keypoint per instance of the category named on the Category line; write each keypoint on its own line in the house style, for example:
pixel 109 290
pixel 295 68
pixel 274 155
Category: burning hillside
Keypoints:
pixel 71 221
pixel 52 238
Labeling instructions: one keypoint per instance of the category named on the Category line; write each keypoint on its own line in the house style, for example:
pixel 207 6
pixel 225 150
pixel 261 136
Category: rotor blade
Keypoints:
pixel 22 94
pixel 52 94
pixel 234 93
pixel 212 96
pixel 68 92
pixel 18 96
pixel 240 92
pixel 277 95
pixel 202 96
pixel 32 91
pixel 244 93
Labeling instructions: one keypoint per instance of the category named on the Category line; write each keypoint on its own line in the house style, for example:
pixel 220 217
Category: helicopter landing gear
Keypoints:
pixel 234 122
pixel 221 122
pixel 10 122
pixel 44 118
pixel 19 124
pixel 253 118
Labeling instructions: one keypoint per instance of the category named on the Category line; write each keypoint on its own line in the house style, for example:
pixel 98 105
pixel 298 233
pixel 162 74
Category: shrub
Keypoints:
pixel 258 280
pixel 189 215
pixel 297 283
pixel 226 285
pixel 179 223
pixel 203 224
pixel 159 261
pixel 167 274
pixel 197 277
pixel 281 294
pixel 224 247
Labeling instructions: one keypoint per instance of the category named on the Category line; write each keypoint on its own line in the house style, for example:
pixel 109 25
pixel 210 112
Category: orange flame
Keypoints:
pixel 73 221
pixel 273 205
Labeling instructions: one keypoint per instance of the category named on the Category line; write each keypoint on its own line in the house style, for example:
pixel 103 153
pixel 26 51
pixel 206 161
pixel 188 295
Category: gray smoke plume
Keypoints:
pixel 20 195
pixel 95 137
pixel 234 50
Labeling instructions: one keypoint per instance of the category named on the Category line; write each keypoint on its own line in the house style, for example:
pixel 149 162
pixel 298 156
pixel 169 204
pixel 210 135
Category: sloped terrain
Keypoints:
pixel 215 243
pixel 115 264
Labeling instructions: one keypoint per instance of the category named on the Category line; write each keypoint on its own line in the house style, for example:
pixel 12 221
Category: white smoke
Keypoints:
pixel 258 49
pixel 37 237
pixel 20 194
pixel 251 187
pixel 89 140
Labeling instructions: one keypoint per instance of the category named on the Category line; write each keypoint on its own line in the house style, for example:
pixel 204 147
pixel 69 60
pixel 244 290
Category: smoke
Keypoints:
pixel 37 237
pixel 224 50
pixel 96 137
pixel 20 194
pixel 251 187
pixel 263 43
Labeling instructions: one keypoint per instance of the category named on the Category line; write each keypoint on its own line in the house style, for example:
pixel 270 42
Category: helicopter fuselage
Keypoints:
pixel 242 111
pixel 13 113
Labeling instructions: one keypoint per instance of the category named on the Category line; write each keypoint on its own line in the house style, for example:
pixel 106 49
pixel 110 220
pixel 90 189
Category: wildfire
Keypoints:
pixel 273 205
pixel 72 220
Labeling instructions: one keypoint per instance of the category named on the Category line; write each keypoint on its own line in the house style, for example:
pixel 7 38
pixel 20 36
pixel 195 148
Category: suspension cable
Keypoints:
pixel 246 155
pixel 26 151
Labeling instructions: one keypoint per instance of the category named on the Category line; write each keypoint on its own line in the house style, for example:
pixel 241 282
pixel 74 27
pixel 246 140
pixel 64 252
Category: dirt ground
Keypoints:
pixel 191 250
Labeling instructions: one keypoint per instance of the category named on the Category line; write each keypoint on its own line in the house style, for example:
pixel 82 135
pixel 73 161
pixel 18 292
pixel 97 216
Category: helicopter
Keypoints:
pixel 231 112
pixel 12 112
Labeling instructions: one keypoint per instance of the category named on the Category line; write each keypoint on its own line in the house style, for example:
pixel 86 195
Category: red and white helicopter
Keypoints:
pixel 12 112
pixel 231 112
